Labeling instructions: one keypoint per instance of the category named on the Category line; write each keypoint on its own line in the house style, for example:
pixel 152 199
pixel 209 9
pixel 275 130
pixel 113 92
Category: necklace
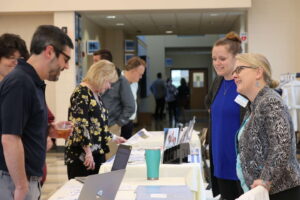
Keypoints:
pixel 226 87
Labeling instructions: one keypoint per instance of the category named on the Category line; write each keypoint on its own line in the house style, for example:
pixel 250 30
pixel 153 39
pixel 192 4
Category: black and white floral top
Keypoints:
pixel 268 146
pixel 90 126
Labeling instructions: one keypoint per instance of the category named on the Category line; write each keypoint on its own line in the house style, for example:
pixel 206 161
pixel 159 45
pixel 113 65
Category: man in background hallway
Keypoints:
pixel 158 88
pixel 133 72
pixel 118 100
pixel 104 54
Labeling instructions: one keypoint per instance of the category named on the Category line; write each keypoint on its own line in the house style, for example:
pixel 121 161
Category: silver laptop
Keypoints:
pixel 102 186
pixel 120 160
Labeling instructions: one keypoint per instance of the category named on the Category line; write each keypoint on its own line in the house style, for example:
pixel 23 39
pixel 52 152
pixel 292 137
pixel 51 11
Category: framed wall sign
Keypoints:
pixel 127 57
pixel 129 45
pixel 92 46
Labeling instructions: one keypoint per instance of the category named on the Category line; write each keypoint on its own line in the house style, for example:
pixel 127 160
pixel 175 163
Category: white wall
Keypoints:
pixel 240 26
pixel 273 27
pixel 156 54
pixel 70 5
pixel 190 60
pixel 156 57
pixel 189 41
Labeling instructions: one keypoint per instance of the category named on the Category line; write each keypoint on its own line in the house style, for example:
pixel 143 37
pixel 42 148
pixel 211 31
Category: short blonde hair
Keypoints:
pixel 258 60
pixel 101 71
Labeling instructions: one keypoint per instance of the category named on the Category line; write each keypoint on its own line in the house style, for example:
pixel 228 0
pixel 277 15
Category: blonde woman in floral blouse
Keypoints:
pixel 86 148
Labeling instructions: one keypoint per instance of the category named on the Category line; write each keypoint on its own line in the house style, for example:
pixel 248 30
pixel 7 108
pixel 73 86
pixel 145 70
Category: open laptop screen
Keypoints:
pixel 102 186
pixel 121 158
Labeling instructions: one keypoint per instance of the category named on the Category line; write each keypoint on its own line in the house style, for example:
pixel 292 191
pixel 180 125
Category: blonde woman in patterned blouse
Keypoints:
pixel 266 140
pixel 86 148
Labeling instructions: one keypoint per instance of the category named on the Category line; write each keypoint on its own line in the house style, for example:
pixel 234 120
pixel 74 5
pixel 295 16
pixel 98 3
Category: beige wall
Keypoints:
pixel 57 94
pixel 70 5
pixel 23 24
pixel 273 27
pixel 65 86
pixel 114 41
pixel 297 39
pixel 91 31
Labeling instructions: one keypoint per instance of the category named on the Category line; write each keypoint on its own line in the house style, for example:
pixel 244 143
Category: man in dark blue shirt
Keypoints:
pixel 23 113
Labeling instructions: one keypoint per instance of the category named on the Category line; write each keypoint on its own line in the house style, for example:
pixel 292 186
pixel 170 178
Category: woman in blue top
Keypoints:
pixel 225 119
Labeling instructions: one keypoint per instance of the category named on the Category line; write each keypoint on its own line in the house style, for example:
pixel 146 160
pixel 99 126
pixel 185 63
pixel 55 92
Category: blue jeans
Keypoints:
pixel 7 187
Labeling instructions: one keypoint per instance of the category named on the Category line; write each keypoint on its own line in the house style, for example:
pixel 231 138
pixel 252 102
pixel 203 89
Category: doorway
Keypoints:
pixel 197 80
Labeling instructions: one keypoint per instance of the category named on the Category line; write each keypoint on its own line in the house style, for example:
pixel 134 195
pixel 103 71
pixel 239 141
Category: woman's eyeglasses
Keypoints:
pixel 238 69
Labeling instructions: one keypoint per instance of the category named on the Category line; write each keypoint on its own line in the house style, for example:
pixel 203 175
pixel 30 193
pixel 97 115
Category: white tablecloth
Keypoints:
pixel 71 190
pixel 189 174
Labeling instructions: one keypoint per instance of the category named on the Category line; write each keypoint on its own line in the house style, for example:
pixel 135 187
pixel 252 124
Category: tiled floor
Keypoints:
pixel 57 173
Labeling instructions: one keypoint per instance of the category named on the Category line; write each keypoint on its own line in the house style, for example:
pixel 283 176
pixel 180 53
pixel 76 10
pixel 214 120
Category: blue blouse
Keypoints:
pixel 225 117
pixel 239 170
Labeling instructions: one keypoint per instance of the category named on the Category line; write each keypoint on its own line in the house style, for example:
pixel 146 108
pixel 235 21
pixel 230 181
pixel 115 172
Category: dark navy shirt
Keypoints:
pixel 225 116
pixel 23 112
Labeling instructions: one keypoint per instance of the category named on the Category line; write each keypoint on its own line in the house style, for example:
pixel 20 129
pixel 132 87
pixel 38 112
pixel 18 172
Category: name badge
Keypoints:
pixel 242 101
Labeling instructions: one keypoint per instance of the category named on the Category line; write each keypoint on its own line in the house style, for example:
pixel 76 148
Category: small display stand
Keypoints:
pixel 177 154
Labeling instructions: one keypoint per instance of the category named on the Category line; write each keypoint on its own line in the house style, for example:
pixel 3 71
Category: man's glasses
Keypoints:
pixel 67 58
pixel 238 69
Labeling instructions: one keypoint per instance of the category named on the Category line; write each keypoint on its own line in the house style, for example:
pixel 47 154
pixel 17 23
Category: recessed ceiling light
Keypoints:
pixel 169 32
pixel 214 14
pixel 120 24
pixel 110 17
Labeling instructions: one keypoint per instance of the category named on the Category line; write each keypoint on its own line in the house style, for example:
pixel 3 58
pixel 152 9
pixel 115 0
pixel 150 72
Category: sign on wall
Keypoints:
pixel 198 79
pixel 92 46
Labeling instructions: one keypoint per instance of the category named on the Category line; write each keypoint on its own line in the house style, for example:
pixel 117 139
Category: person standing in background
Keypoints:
pixel 12 47
pixel 104 54
pixel 86 147
pixel 266 140
pixel 225 119
pixel 158 89
pixel 182 100
pixel 133 72
pixel 171 100
pixel 119 101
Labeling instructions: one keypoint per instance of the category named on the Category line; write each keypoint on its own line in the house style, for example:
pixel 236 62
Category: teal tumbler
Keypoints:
pixel 152 162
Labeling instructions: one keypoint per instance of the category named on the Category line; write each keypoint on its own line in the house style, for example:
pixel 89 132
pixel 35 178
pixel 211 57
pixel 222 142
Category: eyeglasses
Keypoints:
pixel 13 58
pixel 67 57
pixel 238 69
